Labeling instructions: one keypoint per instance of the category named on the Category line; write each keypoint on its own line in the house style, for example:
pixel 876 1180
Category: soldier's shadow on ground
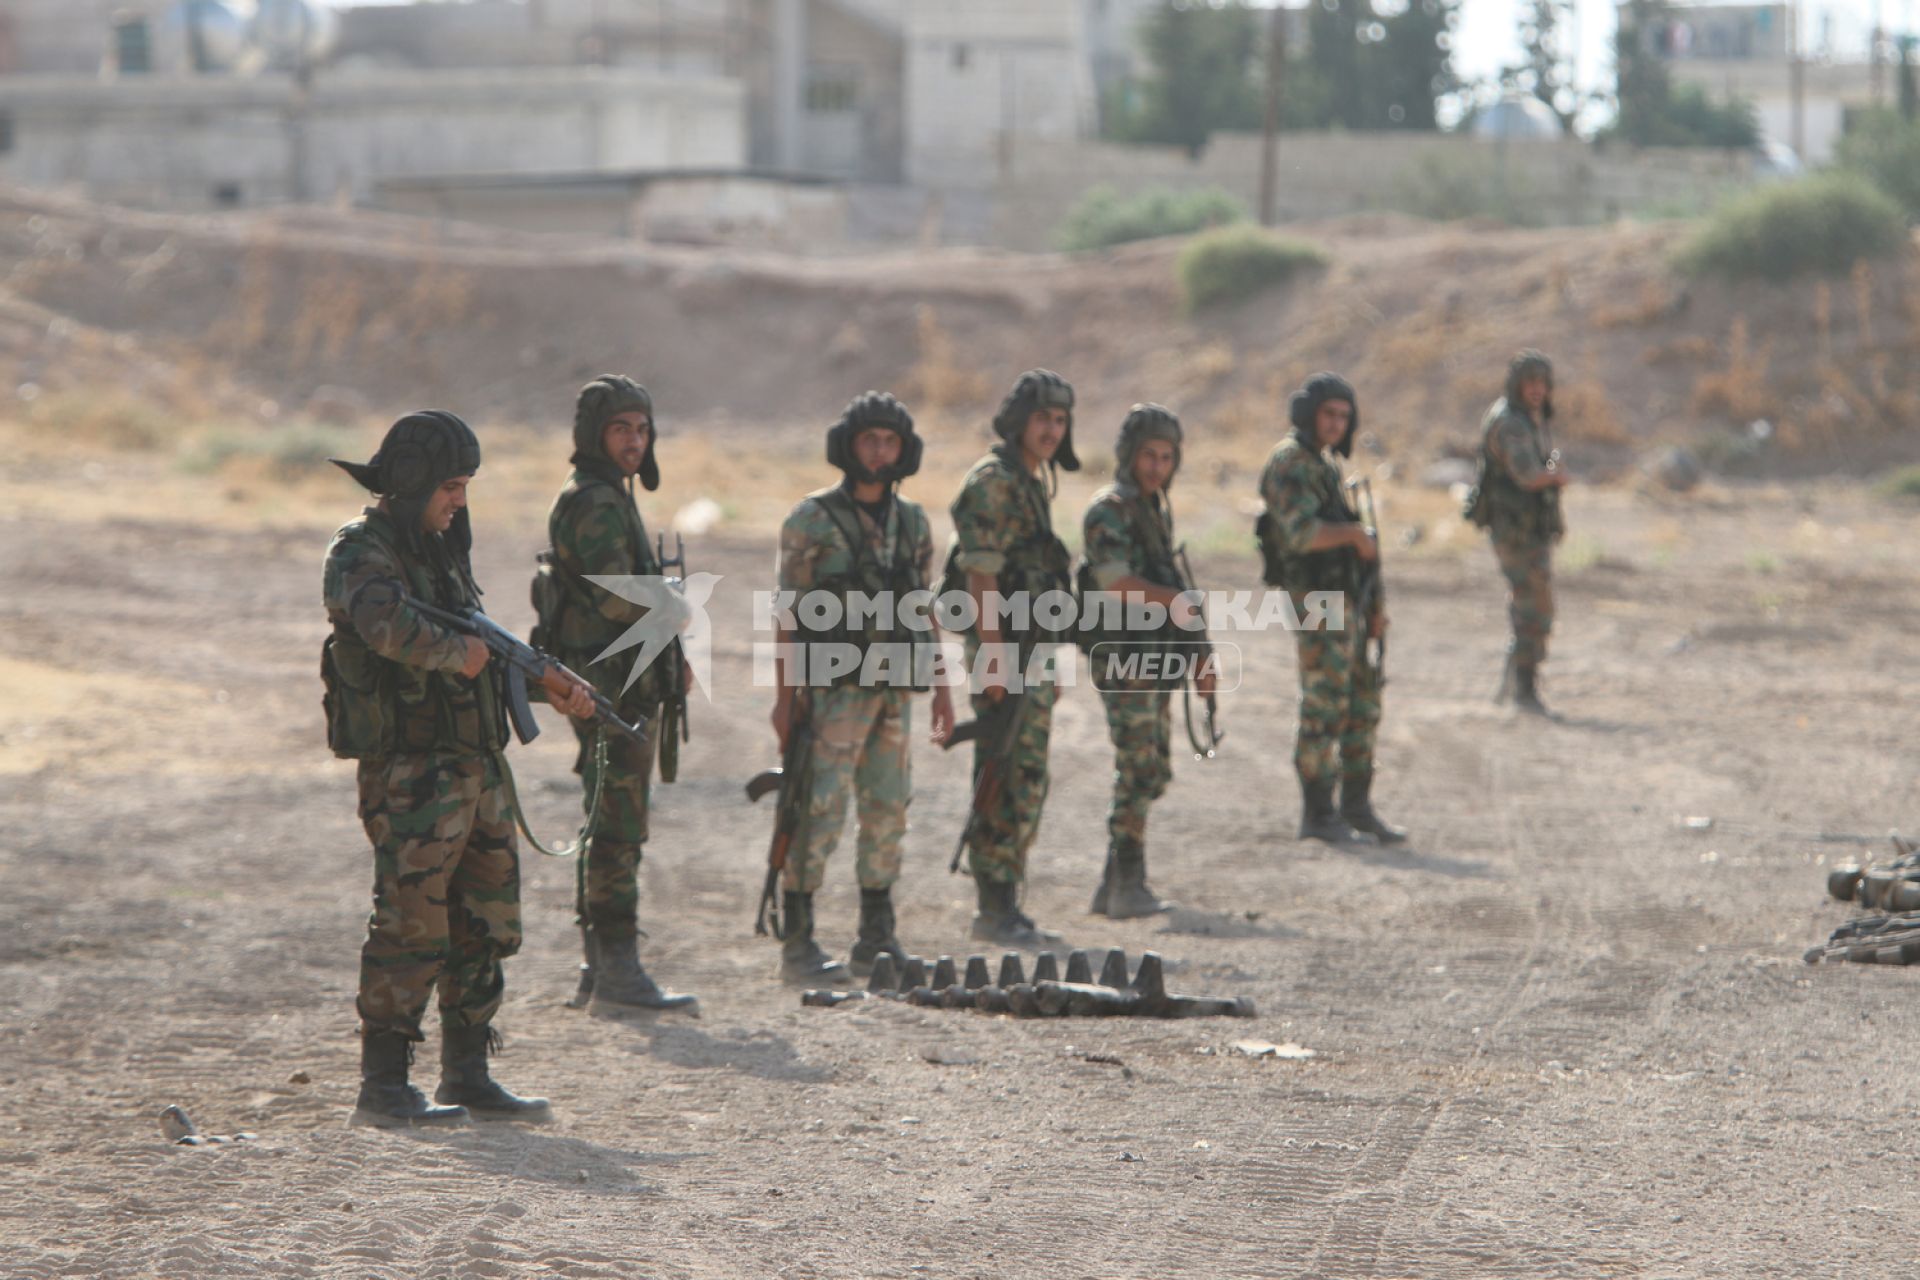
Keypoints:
pixel 1224 924
pixel 1405 857
pixel 533 1153
pixel 755 1053
pixel 1590 724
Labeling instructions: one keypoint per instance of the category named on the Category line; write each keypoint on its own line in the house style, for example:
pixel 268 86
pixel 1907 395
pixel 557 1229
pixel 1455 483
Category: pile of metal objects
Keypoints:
pixel 1892 934
pixel 1049 994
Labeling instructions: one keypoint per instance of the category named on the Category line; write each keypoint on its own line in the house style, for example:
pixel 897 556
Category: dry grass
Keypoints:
pixel 1740 392
pixel 938 380
pixel 1690 348
pixel 1652 303
pixel 1585 415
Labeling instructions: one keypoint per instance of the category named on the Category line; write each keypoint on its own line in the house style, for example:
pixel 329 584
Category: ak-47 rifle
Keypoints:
pixel 1203 660
pixel 794 781
pixel 999 724
pixel 523 662
pixel 674 725
pixel 1367 572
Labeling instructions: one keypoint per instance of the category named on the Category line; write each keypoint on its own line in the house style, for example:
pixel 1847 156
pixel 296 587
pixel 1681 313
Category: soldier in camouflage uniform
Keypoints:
pixel 1004 542
pixel 1517 500
pixel 595 529
pixel 418 706
pixel 1312 542
pixel 1129 551
pixel 860 537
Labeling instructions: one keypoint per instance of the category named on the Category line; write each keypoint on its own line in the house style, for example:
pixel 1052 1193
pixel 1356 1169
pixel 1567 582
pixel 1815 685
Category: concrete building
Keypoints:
pixel 1745 51
pixel 56 37
pixel 213 141
pixel 982 75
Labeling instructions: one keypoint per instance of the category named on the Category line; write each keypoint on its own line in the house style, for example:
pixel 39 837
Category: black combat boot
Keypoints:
pixel 1319 820
pixel 802 962
pixel 583 993
pixel 464 1078
pixel 1001 920
pixel 385 1096
pixel 1526 691
pixel 876 933
pixel 1098 907
pixel 1356 807
pixel 620 983
pixel 1128 897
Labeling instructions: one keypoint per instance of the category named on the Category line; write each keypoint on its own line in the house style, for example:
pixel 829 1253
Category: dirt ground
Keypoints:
pixel 1564 1033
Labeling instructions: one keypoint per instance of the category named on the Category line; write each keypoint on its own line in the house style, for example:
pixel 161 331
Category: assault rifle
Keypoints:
pixel 523 662
pixel 999 724
pixel 674 725
pixel 794 781
pixel 1367 572
pixel 1203 653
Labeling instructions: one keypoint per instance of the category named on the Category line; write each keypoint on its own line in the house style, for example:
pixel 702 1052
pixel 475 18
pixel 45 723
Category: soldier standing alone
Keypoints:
pixel 1517 500
pixel 596 529
pixel 1312 542
pixel 419 707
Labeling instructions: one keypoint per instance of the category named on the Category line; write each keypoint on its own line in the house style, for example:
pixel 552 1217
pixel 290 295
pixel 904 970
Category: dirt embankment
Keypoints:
pixel 357 317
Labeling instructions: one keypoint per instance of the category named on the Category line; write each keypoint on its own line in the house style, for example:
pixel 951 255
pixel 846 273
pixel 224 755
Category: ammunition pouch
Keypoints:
pixel 549 592
pixel 357 697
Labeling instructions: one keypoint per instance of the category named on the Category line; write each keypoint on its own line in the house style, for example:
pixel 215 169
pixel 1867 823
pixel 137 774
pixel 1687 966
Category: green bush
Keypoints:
pixel 1468 184
pixel 1236 262
pixel 1885 149
pixel 1901 483
pixel 1104 217
pixel 290 450
pixel 1820 224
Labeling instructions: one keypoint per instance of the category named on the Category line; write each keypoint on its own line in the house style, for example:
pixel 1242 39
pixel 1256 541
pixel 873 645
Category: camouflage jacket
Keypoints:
pixel 1003 525
pixel 1301 489
pixel 830 543
pixel 392 676
pixel 1128 535
pixel 1514 452
pixel 595 528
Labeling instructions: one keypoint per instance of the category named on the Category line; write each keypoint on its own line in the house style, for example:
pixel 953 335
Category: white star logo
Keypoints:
pixel 676 609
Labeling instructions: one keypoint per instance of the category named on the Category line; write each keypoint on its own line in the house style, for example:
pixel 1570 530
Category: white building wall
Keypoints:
pixel 174 143
pixel 981 74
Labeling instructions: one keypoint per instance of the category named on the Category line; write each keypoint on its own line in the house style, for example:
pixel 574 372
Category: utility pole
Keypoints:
pixel 1270 124
pixel 1797 81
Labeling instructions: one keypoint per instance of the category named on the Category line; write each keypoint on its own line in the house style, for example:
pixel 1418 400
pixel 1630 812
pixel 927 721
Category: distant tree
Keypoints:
pixel 1357 71
pixel 1545 71
pixel 1203 81
pixel 1909 89
pixel 1652 112
pixel 1413 66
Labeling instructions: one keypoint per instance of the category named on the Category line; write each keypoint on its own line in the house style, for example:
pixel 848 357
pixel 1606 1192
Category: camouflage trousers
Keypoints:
pixel 1528 567
pixel 1339 704
pixel 1003 835
pixel 607 875
pixel 1140 722
pixel 860 745
pixel 446 890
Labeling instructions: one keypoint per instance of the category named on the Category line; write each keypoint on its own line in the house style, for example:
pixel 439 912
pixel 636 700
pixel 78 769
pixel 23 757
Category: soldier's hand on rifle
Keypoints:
pixel 1203 683
pixel 686 676
pixel 782 717
pixel 568 692
pixel 942 726
pixel 1377 626
pixel 1365 544
pixel 476 657
pixel 1185 611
